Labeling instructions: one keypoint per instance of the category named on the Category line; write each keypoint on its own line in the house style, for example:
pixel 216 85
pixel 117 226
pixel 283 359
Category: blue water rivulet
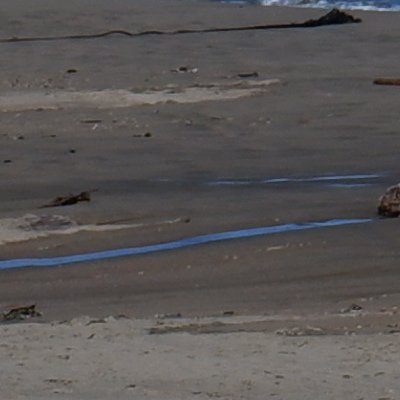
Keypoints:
pixel 175 244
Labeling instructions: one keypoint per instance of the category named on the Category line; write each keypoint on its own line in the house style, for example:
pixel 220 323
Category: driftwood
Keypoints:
pixel 387 81
pixel 69 200
pixel 21 313
pixel 334 17
pixel 389 203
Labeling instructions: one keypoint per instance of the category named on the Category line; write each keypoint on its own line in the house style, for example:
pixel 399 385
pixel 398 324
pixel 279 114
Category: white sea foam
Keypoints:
pixel 31 226
pixel 110 98
pixel 373 5
pixel 376 5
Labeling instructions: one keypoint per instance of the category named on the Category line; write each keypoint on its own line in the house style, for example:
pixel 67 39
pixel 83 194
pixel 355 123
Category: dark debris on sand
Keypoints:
pixel 389 203
pixel 69 200
pixel 21 313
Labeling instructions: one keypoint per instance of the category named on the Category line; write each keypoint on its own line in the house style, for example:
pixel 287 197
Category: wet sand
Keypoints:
pixel 152 163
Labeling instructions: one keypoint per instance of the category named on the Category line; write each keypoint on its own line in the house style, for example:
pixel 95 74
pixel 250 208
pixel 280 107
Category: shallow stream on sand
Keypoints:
pixel 176 244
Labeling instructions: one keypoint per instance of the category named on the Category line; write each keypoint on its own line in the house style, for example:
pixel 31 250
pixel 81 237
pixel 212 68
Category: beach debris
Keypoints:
pixel 185 69
pixel 351 309
pixel 334 17
pixel 139 135
pixel 71 71
pixel 389 203
pixel 65 357
pixel 191 328
pixel 31 226
pixel 387 81
pixel 96 321
pixel 69 200
pixel 248 75
pixel 59 381
pixel 21 313
pixel 72 151
pixel 18 137
pixel 7 161
pixel 297 331
pixel 395 328
pixel 168 315
pixel 91 121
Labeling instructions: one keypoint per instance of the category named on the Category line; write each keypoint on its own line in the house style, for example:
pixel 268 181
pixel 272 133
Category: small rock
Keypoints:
pixel 248 75
pixel 352 308
pixel 389 203
pixel 130 386
pixel 63 357
pixel 185 69
pixel 228 313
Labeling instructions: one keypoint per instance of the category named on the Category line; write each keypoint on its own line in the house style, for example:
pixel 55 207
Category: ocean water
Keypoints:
pixel 378 5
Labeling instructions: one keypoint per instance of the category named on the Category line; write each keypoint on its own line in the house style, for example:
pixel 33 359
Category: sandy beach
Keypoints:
pixel 178 136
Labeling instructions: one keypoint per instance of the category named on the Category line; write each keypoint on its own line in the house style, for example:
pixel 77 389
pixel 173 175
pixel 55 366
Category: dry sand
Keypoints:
pixel 119 359
pixel 120 115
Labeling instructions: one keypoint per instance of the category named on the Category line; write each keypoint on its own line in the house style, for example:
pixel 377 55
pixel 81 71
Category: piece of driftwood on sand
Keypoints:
pixel 387 81
pixel 69 200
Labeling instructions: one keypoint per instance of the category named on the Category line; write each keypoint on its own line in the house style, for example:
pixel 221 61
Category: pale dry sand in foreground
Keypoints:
pixel 119 359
